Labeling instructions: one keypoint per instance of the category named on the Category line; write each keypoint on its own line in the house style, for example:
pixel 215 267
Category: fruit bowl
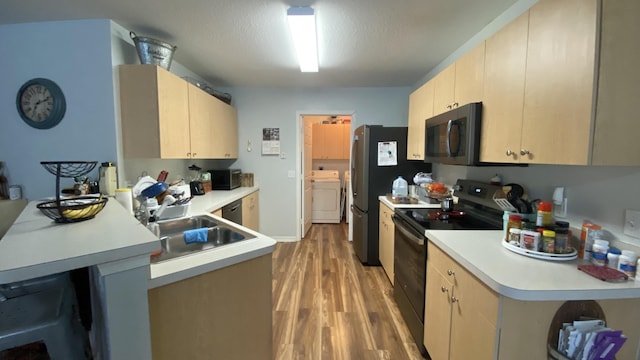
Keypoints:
pixel 74 209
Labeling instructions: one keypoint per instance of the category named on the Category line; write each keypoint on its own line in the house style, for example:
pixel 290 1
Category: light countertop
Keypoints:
pixel 420 204
pixel 36 246
pixel 521 277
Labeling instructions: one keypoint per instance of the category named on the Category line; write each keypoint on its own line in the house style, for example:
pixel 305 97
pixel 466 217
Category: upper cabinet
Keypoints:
pixel 577 90
pixel 461 82
pixel 163 116
pixel 503 99
pixel 330 141
pixel 420 109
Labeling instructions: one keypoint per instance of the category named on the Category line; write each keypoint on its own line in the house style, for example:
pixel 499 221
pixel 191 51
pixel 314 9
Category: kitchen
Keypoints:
pixel 600 192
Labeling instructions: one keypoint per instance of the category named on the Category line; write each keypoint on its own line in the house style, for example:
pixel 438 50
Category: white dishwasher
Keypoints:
pixel 325 190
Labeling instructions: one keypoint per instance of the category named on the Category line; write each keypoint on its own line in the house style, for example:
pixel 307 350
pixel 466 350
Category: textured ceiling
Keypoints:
pixel 362 43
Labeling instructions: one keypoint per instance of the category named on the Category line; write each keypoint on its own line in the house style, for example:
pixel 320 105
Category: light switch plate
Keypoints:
pixel 632 223
pixel 291 173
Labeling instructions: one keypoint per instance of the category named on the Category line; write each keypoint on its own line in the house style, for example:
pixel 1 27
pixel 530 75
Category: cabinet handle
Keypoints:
pixel 450 272
pixel 194 154
pixel 510 153
pixel 188 154
pixel 524 152
pixel 444 289
pixel 454 299
pixel 455 104
pixel 449 107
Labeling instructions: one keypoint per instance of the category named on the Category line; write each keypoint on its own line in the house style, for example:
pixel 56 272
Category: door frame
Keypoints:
pixel 300 157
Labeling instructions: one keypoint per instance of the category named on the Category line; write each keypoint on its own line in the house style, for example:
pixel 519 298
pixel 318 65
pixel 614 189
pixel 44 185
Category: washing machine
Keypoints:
pixel 325 190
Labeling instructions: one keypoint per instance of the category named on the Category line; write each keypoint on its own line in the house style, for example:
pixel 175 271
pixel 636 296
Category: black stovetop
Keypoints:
pixel 475 210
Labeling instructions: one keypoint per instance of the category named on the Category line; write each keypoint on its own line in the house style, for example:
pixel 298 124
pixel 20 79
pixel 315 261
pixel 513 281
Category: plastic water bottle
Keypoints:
pixel 399 188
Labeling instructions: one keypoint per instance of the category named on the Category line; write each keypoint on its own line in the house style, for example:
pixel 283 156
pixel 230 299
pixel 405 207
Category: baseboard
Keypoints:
pixel 285 238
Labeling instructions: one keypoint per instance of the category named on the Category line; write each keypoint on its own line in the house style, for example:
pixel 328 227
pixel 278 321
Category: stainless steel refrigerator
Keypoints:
pixel 372 173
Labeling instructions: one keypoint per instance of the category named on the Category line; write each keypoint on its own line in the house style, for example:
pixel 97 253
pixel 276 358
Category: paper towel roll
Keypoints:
pixel 124 197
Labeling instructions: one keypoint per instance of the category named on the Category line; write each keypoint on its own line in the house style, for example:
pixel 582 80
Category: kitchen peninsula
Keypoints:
pixel 116 248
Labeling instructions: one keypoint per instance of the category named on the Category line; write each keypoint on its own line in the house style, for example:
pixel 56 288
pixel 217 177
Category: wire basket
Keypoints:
pixel 73 209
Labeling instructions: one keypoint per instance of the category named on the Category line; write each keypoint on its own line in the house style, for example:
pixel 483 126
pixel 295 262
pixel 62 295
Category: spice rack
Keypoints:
pixel 572 255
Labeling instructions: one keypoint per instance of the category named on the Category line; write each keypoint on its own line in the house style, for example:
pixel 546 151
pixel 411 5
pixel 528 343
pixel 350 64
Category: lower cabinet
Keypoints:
pixel 250 211
pixel 217 212
pixel 223 314
pixel 461 313
pixel 464 319
pixel 386 231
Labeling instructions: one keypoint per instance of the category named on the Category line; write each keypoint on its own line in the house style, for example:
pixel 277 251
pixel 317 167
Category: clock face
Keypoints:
pixel 36 102
pixel 40 103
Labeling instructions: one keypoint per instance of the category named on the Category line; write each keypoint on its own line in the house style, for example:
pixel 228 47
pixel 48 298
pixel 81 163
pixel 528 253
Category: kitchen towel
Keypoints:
pixel 196 236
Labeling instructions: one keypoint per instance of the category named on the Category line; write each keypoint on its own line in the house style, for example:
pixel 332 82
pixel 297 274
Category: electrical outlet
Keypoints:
pixel 632 223
pixel 283 155
pixel 291 173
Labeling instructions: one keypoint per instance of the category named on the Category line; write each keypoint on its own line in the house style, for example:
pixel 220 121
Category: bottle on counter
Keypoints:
pixel 514 222
pixel 514 236
pixel 612 258
pixel 627 263
pixel 599 252
pixel 544 216
pixel 399 188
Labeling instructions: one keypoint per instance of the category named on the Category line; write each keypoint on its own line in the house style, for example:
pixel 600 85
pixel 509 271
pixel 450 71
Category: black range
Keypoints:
pixel 475 210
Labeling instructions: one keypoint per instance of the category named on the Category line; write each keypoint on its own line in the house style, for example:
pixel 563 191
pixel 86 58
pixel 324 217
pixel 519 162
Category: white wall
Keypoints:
pixel 76 55
pixel 272 107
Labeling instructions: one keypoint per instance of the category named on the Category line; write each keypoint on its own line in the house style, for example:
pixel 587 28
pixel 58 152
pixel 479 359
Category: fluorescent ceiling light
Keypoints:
pixel 302 24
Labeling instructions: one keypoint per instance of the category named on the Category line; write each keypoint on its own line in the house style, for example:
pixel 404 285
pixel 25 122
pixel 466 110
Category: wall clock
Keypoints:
pixel 40 103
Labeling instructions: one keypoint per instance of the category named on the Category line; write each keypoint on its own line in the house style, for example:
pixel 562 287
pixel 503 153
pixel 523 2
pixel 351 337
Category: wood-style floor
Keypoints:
pixel 327 305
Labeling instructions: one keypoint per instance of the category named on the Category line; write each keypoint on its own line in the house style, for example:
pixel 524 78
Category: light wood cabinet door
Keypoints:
pixel 474 317
pixel 461 313
pixel 214 315
pixel 386 242
pixel 250 211
pixel 346 141
pixel 420 109
pixel 201 120
pixel 469 77
pixel 503 97
pixel 444 90
pixel 559 83
pixel 154 105
pixel 329 141
pixel 616 128
pixel 437 313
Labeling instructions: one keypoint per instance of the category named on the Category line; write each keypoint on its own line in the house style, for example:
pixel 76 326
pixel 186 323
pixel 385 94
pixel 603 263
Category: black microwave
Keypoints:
pixel 225 179
pixel 453 137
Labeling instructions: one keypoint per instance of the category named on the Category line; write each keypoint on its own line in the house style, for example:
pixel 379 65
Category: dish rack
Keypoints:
pixel 73 209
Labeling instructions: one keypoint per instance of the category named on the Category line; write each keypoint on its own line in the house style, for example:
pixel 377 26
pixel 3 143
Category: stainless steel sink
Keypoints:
pixel 172 239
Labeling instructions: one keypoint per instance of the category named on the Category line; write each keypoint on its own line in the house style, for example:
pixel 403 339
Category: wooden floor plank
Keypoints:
pixel 327 305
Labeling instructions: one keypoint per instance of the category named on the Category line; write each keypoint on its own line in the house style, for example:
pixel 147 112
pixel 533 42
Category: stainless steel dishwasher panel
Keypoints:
pixel 233 211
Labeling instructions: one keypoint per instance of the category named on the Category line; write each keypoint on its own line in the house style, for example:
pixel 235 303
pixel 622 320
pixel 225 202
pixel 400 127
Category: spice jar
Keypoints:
pixel 530 240
pixel 514 222
pixel 562 237
pixel 548 241
pixel 514 236
pixel 544 216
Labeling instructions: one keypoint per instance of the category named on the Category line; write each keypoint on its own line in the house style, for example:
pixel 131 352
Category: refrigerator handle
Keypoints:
pixel 354 173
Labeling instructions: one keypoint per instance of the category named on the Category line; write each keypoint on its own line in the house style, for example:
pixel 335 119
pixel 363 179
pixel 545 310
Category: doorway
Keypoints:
pixel 326 148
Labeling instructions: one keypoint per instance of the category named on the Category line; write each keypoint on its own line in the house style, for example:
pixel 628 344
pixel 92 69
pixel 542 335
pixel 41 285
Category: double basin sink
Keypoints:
pixel 174 245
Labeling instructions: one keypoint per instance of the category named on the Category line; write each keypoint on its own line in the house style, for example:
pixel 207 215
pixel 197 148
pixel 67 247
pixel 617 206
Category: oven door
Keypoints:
pixel 409 265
